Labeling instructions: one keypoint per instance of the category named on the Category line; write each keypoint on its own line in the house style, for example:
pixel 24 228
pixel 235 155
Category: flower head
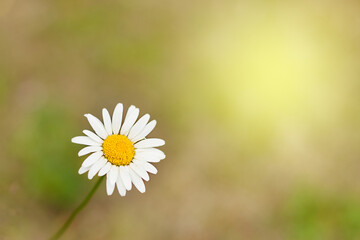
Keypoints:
pixel 120 149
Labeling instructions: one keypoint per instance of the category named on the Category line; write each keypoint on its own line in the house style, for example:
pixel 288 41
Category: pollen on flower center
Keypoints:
pixel 118 150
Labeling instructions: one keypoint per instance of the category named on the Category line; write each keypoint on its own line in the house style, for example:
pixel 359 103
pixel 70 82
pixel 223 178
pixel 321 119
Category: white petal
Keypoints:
pixel 149 156
pixel 150 143
pixel 107 121
pixel 120 186
pixel 125 176
pixel 87 150
pixel 93 136
pixel 137 181
pixel 97 125
pixel 105 169
pixel 90 160
pixel 138 126
pixel 140 171
pixel 149 159
pixel 113 174
pixel 117 118
pixel 131 116
pixel 147 129
pixel 85 141
pixel 147 166
pixel 109 186
pixel 96 167
pixel 152 151
pixel 83 169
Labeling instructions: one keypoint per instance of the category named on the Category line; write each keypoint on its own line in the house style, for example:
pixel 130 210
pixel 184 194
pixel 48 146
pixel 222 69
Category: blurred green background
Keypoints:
pixel 258 102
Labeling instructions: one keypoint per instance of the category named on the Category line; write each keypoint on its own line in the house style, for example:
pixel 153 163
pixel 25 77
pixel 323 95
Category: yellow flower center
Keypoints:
pixel 118 150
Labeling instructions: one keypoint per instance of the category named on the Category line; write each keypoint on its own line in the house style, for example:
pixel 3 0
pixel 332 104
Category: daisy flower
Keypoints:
pixel 120 149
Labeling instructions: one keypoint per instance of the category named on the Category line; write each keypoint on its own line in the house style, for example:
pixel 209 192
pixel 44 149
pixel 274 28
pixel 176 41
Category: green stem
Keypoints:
pixel 77 210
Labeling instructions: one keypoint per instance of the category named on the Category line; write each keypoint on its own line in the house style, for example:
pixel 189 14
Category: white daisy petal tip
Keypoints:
pixel 146 131
pixel 120 186
pixel 93 136
pixel 137 181
pixel 109 188
pixel 138 126
pixel 83 170
pixel 125 176
pixel 139 170
pixel 113 174
pixel 150 143
pixel 117 118
pixel 84 140
pixel 96 167
pixel 91 159
pixel 107 121
pixel 97 125
pixel 89 149
pixel 130 118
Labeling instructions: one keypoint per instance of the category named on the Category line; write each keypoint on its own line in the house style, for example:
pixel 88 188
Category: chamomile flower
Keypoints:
pixel 120 149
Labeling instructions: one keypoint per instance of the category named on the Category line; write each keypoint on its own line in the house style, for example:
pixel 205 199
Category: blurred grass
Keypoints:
pixel 42 145
pixel 313 214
